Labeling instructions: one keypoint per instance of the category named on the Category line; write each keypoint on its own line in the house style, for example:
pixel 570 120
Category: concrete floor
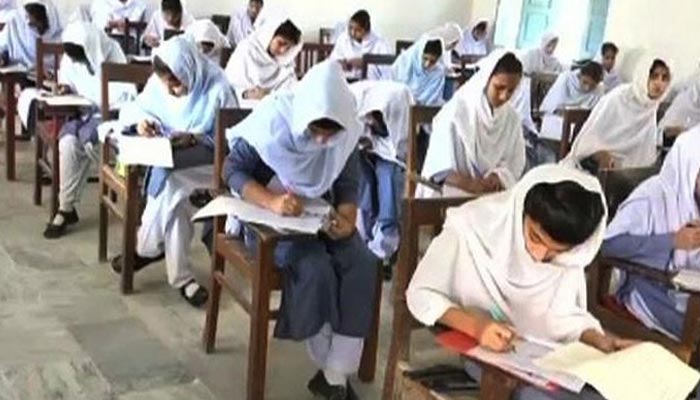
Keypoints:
pixel 67 333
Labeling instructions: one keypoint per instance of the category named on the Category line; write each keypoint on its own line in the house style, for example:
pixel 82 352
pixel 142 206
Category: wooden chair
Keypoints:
pixel 46 158
pixel 310 55
pixel 130 39
pixel 618 184
pixel 325 35
pixel 222 22
pixel 169 33
pixel 402 45
pixel 120 194
pixel 261 271
pixel 9 82
pixel 539 86
pixel 420 115
pixel 375 59
pixel 574 118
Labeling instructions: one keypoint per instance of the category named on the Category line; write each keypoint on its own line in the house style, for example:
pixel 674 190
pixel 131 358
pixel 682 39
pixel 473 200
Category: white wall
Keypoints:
pixel 661 28
pixel 396 19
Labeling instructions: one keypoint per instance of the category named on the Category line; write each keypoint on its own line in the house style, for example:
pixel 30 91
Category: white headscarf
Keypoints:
pixel 471 138
pixel 278 130
pixel 685 109
pixel 471 46
pixel 450 33
pixel 104 11
pixel 157 25
pixel 665 203
pixel 204 30
pixel 99 48
pixel 480 260
pixel 19 40
pixel 251 65
pixel 8 9
pixel 567 91
pixel 394 101
pixel 537 61
pixel 622 123
pixel 348 48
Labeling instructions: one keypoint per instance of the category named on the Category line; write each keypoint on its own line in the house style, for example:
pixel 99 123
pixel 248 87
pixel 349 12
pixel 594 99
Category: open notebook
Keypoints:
pixel 315 216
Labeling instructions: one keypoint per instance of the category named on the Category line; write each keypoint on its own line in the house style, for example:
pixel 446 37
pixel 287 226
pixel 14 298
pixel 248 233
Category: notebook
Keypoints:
pixel 139 150
pixel 687 279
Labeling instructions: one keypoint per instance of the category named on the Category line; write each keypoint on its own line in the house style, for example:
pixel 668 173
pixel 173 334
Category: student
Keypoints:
pixel 541 60
pixel 579 89
pixel 477 144
pixel 8 9
pixel 38 20
pixel 172 16
pixel 86 48
pixel 384 108
pixel 179 101
pixel 621 131
pixel 684 112
pixel 450 34
pixel 243 21
pixel 208 38
pixel 302 142
pixel 612 78
pixel 113 14
pixel 512 264
pixel 359 39
pixel 420 68
pixel 475 39
pixel 658 225
pixel 264 61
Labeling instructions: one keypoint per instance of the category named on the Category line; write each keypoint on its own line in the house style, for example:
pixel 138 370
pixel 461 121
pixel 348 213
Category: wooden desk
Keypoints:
pixel 9 82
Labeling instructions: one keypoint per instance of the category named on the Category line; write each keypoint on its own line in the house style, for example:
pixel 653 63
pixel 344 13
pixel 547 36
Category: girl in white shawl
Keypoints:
pixel 608 58
pixel 512 264
pixel 264 61
pixel 658 225
pixel 86 48
pixel 208 38
pixel 171 16
pixel 684 112
pixel 621 131
pixel 541 60
pixel 8 8
pixel 301 144
pixel 243 21
pixel 477 144
pixel 475 39
pixel 359 39
pixel 38 20
pixel 384 106
pixel 113 14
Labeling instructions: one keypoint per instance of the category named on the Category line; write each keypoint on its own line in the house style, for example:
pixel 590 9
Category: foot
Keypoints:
pixel 319 386
pixel 139 262
pixel 60 223
pixel 195 294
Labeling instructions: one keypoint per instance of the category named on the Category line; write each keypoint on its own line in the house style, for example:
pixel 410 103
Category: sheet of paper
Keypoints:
pixel 17 68
pixel 643 372
pixel 688 279
pixel 154 152
pixel 66 100
pixel 140 59
pixel 315 214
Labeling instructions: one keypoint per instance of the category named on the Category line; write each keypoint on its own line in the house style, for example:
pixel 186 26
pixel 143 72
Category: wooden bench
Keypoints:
pixel 310 55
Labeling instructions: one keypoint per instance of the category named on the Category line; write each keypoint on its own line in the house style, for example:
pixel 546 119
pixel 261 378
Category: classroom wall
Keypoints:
pixel 658 27
pixel 395 19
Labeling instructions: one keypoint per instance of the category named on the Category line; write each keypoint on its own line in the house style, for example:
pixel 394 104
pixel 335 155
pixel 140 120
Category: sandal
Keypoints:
pixel 59 224
pixel 194 294
pixel 139 262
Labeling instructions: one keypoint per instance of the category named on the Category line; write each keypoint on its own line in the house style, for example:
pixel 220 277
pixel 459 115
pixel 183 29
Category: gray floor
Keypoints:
pixel 67 333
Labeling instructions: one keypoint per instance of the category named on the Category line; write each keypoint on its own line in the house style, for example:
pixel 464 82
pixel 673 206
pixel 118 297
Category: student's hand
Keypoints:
pixel 674 131
pixel 611 344
pixel 147 128
pixel 345 64
pixel 181 141
pixel 688 237
pixel 492 183
pixel 256 93
pixel 340 227
pixel 355 63
pixel 495 336
pixel 287 205
pixel 604 159
pixel 62 90
pixel 151 41
pixel 119 24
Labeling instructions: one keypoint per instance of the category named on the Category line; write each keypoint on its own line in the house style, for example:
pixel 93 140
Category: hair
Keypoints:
pixel 362 18
pixel 607 47
pixel 172 6
pixel 593 70
pixel 481 26
pixel 76 52
pixel 327 124
pixel 433 47
pixel 508 64
pixel 289 31
pixel 256 1
pixel 567 212
pixel 658 63
pixel 38 11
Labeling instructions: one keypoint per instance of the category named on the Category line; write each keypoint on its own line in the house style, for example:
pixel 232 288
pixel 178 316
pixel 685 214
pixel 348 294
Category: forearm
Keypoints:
pixel 465 321
pixel 257 194
pixel 461 181
pixel 348 211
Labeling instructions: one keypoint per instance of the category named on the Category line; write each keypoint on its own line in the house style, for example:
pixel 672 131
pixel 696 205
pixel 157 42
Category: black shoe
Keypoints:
pixel 387 270
pixel 198 298
pixel 139 262
pixel 54 231
pixel 319 386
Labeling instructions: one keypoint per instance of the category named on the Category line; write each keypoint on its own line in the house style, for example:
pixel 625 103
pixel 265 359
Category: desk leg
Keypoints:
pixel 8 86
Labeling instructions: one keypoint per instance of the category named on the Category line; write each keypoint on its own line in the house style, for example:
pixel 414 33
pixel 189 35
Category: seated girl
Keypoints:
pixel 621 131
pixel 171 16
pixel 475 39
pixel 208 38
pixel 384 107
pixel 86 48
pixel 576 89
pixel 512 265
pixel 659 226
pixel 684 112
pixel 301 144
pixel 242 22
pixel 39 19
pixel 113 14
pixel 477 144
pixel 264 61
pixel 541 60
pixel 359 39
pixel 608 58
pixel 180 101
